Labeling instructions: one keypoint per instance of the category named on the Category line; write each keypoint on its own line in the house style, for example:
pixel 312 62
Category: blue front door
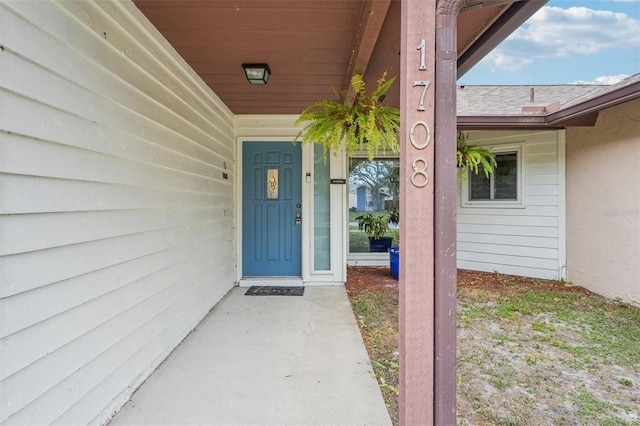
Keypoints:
pixel 271 209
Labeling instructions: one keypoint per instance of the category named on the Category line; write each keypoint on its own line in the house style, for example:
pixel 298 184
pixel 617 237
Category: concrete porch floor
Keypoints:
pixel 265 360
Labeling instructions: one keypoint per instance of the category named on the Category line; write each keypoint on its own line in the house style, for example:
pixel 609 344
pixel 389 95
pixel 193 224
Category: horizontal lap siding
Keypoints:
pixel 116 222
pixel 520 241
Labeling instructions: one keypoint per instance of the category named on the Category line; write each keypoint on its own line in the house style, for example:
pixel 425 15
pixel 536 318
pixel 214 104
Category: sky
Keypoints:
pixel 567 42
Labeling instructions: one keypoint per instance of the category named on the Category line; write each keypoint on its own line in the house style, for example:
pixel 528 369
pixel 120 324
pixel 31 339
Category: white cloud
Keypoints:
pixel 605 79
pixel 554 32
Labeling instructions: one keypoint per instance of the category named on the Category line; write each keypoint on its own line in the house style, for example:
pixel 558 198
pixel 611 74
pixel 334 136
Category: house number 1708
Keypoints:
pixel 419 177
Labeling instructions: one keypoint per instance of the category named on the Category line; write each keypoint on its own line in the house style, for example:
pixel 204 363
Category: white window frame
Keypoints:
pixel 365 258
pixel 518 148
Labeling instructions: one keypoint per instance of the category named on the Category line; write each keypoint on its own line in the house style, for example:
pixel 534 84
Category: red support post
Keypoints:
pixel 417 99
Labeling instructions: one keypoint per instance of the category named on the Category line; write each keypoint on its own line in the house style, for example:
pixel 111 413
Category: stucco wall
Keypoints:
pixel 603 203
pixel 116 219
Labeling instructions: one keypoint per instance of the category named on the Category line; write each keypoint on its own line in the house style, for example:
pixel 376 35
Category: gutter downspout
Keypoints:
pixel 445 192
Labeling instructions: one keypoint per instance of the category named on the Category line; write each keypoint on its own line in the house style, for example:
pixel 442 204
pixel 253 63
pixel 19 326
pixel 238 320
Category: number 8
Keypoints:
pixel 419 171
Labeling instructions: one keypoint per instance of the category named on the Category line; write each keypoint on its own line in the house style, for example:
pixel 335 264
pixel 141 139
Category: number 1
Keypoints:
pixel 423 59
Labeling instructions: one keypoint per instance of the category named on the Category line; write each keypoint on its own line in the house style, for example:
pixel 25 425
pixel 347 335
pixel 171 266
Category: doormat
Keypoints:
pixel 260 290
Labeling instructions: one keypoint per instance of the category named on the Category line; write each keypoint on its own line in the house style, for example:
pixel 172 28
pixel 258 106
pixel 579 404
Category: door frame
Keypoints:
pixel 339 218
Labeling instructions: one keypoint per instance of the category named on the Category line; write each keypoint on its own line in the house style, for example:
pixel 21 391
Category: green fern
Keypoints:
pixel 359 124
pixel 365 124
pixel 472 157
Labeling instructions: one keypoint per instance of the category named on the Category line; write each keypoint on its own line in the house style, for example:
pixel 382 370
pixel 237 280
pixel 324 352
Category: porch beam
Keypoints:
pixel 508 22
pixel 372 16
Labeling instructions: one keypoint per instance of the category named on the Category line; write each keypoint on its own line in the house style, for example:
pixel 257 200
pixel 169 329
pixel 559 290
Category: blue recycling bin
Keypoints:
pixel 394 261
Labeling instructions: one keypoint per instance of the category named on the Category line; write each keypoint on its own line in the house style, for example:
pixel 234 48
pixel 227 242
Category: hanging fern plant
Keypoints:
pixel 359 124
pixel 365 124
pixel 472 157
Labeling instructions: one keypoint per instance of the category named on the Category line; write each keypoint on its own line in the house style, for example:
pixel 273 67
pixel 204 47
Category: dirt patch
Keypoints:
pixel 370 278
pixel 530 352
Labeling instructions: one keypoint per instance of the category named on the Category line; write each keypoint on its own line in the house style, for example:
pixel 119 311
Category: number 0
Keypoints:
pixel 427 138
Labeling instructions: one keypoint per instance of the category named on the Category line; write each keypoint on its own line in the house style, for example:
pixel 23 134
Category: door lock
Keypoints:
pixel 298 219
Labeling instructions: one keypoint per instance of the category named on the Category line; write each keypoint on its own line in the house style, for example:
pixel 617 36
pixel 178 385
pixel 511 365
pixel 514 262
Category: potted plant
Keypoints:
pixel 376 226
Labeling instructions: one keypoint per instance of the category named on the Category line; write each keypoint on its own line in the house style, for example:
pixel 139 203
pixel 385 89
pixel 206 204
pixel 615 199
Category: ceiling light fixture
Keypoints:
pixel 257 73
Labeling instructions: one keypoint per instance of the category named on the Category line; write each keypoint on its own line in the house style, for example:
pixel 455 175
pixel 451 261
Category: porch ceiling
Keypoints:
pixel 310 46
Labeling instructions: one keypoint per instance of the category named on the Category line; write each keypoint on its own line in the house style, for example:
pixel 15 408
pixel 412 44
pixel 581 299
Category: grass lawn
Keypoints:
pixel 530 352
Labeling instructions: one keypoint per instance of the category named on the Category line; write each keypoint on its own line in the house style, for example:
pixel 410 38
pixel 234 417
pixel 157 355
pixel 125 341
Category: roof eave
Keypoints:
pixel 568 115
pixel 503 122
pixel 581 114
pixel 507 23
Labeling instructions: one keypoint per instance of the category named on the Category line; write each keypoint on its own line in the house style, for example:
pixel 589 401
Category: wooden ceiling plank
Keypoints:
pixel 228 20
pixel 261 39
pixel 310 44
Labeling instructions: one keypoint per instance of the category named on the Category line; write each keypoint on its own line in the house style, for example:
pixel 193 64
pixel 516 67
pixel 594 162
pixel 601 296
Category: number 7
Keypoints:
pixel 426 84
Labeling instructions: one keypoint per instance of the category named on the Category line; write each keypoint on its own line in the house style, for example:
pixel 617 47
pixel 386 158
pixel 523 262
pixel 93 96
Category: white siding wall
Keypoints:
pixel 268 126
pixel 529 240
pixel 116 223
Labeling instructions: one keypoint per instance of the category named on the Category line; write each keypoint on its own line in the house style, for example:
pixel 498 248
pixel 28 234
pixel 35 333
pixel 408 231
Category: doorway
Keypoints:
pixel 271 209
